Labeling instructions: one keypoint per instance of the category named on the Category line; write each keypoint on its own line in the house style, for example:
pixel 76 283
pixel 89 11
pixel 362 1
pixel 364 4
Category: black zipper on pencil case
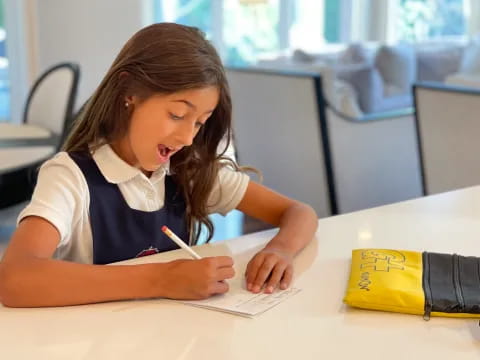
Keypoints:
pixel 457 283
pixel 426 286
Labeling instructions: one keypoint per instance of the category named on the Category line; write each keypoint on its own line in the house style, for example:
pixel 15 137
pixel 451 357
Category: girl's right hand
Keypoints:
pixel 196 279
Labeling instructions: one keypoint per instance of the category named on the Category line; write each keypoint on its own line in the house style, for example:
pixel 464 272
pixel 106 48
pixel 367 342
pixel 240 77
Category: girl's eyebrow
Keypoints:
pixel 190 105
pixel 187 103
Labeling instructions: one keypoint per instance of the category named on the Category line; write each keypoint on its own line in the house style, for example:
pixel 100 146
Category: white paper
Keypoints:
pixel 239 301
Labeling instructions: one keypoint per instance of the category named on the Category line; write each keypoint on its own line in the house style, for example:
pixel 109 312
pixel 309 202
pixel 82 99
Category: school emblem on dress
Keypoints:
pixel 150 251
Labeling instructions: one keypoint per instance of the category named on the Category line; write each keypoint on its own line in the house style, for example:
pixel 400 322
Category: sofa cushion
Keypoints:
pixel 471 59
pixel 366 81
pixel 469 80
pixel 305 57
pixel 436 63
pixel 302 56
pixel 397 65
pixel 344 99
pixel 395 102
pixel 355 53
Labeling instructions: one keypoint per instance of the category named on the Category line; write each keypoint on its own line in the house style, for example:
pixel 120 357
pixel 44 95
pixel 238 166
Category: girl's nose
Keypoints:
pixel 185 134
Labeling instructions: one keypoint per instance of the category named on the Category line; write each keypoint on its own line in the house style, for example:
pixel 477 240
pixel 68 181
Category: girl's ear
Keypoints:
pixel 123 75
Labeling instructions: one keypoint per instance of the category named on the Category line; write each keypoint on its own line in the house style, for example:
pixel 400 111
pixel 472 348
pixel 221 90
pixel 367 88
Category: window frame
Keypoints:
pixel 21 46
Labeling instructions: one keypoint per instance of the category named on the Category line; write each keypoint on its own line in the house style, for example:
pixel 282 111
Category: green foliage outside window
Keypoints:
pixel 426 19
pixel 249 30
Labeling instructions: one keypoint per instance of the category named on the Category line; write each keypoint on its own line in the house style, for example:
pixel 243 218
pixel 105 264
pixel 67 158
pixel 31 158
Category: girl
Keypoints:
pixel 143 154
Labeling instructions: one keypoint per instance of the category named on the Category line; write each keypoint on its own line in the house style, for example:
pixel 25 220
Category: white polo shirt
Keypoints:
pixel 62 197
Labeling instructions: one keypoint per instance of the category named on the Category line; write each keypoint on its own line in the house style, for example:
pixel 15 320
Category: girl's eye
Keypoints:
pixel 175 117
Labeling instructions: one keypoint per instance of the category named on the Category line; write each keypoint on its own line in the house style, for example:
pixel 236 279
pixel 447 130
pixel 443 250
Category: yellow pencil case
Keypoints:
pixel 412 282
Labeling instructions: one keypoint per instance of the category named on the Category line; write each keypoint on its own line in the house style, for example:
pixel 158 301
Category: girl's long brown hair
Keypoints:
pixel 162 59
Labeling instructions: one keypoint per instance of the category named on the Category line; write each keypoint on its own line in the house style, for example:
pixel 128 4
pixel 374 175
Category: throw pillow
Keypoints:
pixel 302 56
pixel 366 81
pixel 436 63
pixel 397 65
pixel 471 59
pixel 355 53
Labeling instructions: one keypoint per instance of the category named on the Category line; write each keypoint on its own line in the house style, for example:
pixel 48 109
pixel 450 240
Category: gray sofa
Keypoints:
pixel 369 78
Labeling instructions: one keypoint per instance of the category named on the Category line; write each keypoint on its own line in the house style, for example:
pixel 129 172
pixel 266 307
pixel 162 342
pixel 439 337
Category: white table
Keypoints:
pixel 22 145
pixel 18 157
pixel 313 324
pixel 25 135
pixel 19 131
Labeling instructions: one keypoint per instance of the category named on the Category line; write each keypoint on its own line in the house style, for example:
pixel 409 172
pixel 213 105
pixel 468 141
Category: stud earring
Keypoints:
pixel 126 104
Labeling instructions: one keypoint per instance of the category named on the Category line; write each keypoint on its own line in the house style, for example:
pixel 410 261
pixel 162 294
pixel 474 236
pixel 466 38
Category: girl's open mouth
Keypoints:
pixel 164 153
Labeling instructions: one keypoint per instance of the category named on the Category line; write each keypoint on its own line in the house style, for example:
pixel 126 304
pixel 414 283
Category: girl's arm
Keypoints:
pixel 30 278
pixel 272 266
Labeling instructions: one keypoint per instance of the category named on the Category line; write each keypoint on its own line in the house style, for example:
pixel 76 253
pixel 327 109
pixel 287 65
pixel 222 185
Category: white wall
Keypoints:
pixel 89 32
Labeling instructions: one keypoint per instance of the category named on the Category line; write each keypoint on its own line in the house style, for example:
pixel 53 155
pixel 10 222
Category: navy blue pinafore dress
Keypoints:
pixel 120 232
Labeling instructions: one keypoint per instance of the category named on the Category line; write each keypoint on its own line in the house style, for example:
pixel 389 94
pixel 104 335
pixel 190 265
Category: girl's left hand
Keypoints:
pixel 270 267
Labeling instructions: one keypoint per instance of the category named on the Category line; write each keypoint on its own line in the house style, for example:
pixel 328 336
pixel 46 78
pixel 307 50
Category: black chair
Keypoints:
pixel 50 105
pixel 51 101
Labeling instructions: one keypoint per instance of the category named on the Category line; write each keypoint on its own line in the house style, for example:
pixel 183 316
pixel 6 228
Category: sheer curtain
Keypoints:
pixel 374 20
pixel 473 15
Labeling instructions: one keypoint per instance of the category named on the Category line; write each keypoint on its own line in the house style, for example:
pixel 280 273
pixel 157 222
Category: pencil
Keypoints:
pixel 179 242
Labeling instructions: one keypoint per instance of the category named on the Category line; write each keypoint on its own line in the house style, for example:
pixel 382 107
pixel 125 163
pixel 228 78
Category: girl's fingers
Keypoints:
pixel 268 268
pixel 287 277
pixel 219 287
pixel 252 270
pixel 263 273
pixel 225 273
pixel 218 261
pixel 275 277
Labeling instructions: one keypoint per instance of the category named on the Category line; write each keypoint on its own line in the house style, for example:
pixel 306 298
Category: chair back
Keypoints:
pixel 51 100
pixel 279 129
pixel 448 128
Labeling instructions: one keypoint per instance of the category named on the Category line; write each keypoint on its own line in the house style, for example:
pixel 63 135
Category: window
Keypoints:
pixel 4 77
pixel 332 25
pixel 309 22
pixel 196 13
pixel 244 30
pixel 250 30
pixel 428 19
pixel 254 29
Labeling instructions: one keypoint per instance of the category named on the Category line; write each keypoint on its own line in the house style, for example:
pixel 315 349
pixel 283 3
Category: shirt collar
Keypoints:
pixel 116 171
